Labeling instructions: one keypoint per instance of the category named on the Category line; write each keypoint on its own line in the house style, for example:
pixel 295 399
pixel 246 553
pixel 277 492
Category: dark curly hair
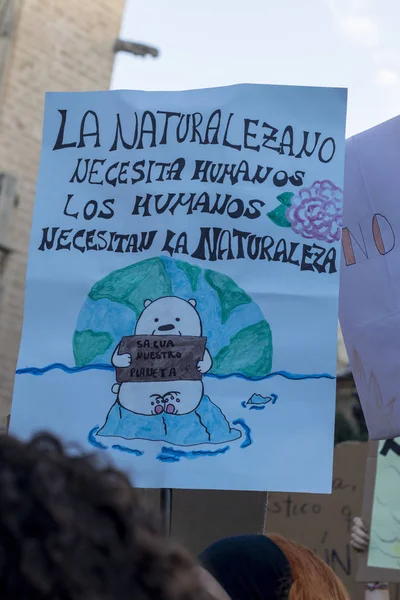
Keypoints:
pixel 72 528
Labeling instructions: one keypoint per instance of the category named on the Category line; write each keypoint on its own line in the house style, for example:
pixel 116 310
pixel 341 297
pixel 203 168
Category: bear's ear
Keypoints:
pixel 146 303
pixel 193 302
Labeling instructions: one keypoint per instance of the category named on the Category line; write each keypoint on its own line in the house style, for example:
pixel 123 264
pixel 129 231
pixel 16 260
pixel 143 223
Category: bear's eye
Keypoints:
pixel 156 320
pixel 177 319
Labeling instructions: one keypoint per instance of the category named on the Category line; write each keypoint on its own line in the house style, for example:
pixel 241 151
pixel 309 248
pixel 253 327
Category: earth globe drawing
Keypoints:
pixel 239 341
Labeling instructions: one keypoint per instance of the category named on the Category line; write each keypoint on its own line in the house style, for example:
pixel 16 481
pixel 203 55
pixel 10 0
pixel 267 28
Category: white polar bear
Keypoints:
pixel 168 315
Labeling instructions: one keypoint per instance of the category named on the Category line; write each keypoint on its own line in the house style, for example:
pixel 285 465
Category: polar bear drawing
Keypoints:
pixel 168 315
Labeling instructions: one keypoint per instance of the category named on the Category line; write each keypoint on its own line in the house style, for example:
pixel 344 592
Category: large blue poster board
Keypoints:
pixel 182 285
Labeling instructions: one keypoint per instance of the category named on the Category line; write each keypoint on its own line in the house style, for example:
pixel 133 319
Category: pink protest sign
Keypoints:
pixel 370 274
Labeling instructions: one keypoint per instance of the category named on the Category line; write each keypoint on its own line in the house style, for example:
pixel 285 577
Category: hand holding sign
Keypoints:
pixel 121 360
pixel 359 535
pixel 205 364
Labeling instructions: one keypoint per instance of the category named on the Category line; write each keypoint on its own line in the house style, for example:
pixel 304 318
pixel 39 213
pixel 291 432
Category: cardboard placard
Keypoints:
pixel 161 358
pixel 201 517
pixel 323 522
pixel 365 572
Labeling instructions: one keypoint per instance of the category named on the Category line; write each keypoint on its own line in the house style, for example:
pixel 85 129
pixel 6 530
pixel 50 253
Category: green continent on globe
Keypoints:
pixel 229 294
pixel 145 280
pixel 88 344
pixel 249 353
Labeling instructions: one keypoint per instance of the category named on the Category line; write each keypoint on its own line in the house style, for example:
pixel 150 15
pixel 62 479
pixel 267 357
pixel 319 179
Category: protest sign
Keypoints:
pixel 370 284
pixel 381 510
pixel 323 523
pixel 201 517
pixel 211 214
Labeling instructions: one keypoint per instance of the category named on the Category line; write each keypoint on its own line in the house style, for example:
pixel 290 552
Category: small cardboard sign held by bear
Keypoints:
pixel 161 358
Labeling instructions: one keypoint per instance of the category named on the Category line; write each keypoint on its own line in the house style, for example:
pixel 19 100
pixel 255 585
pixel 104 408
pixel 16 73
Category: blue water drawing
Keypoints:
pixel 248 440
pixel 128 450
pixel 92 440
pixel 96 444
pixel 167 458
pixel 207 424
pixel 173 455
pixel 38 371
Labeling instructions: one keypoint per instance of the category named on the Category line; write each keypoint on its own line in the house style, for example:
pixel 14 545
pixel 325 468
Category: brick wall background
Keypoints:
pixel 57 46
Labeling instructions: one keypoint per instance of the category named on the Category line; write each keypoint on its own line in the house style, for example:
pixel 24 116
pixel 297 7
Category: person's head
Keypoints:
pixel 256 567
pixel 312 578
pixel 73 529
pixel 249 567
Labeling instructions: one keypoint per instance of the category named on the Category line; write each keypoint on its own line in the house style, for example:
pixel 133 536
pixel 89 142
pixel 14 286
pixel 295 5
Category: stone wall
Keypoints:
pixel 57 46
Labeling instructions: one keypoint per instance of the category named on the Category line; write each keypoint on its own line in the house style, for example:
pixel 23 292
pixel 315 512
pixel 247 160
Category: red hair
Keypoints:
pixel 312 578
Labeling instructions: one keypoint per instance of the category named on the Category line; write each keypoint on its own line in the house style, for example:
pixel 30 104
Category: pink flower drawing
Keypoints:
pixel 316 212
